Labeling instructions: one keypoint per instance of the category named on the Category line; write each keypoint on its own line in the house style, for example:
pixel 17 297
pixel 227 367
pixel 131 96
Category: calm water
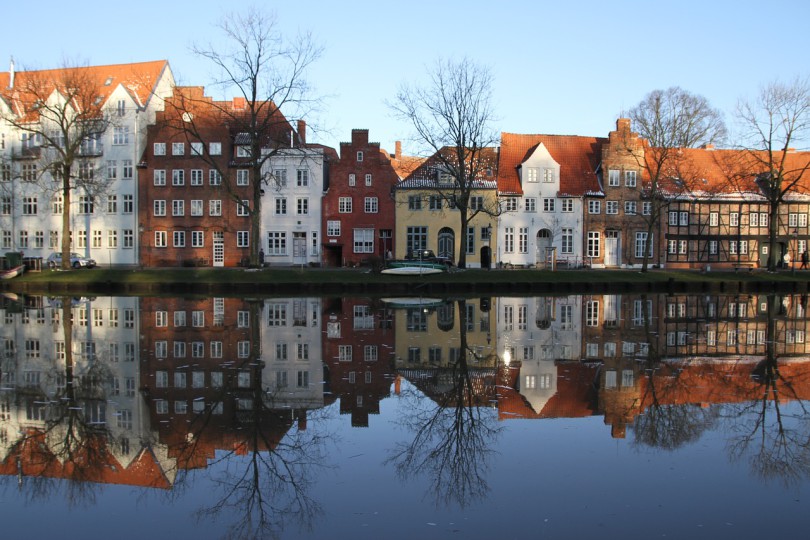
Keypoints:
pixel 633 416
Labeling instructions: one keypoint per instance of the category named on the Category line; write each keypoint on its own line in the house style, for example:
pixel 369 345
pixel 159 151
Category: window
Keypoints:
pixel 160 239
pixel 345 205
pixel 159 176
pixel 593 244
pixel 179 239
pixel 359 156
pixel 159 149
pixel 196 177
pixel 129 204
pixel 509 240
pixel 112 170
pixel 112 238
pixel 302 178
pixel 277 243
pixel 215 149
pixel 178 207
pixel 29 172
pixel 548 175
pixel 371 205
pixel 683 218
pixel 630 178
pixel 161 319
pixel 242 177
pixel 363 240
pixel 567 240
pixel 121 135
pixel 352 180
pixel 127 169
pixel 592 313
pixel 594 207
pixel 531 175
pixel 159 207
pixel 714 219
pixel 178 148
pixel 333 228
pixel 646 208
pixel 368 180
pixel 197 239
pixel 548 205
pixel 196 207
pixel 214 177
pixel 712 247
pixel 302 206
pixel 178 177
pixel 567 205
pixel 734 219
pixel 281 206
pixel 128 238
pixel 215 207
pixel 416 238
pixel 630 208
pixel 476 203
pixel 435 202
pixel 523 240
pixel 112 204
pixel 641 245
pixel 243 208
pixel 29 206
pixel 612 207
pixel 613 178
pixel 530 204
pixel 243 151
pixel 414 202
pixel 242 239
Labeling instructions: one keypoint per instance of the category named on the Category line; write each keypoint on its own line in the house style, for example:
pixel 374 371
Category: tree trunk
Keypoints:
pixel 66 217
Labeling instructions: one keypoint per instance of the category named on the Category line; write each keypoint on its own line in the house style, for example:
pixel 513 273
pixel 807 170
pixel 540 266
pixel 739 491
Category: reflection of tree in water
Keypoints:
pixel 73 442
pixel 665 423
pixel 454 426
pixel 773 438
pixel 263 483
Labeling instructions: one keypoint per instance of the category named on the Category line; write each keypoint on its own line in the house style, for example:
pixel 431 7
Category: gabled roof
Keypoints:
pixel 425 174
pixel 578 157
pixel 138 79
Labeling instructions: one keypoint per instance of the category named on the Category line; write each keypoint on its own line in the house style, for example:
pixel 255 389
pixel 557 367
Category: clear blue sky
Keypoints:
pixel 560 67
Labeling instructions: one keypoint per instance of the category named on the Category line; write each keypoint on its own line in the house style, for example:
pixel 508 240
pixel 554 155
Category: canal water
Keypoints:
pixel 631 416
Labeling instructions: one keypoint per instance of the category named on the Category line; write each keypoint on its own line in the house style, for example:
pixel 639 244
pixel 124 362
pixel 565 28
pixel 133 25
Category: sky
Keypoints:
pixel 561 67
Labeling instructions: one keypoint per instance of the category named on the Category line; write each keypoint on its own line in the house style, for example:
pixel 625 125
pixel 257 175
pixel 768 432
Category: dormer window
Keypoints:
pixel 108 82
pixel 243 151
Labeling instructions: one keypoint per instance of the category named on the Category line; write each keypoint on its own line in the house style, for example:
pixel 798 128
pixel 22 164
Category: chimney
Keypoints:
pixel 11 73
pixel 623 124
pixel 302 131
pixel 398 150
pixel 239 103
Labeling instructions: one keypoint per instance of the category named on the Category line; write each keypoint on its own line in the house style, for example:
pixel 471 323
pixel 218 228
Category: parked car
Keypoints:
pixel 427 255
pixel 76 261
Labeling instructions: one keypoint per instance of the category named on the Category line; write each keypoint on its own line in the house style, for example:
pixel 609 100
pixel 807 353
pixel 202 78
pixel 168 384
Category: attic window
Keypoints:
pixel 108 82
pixel 97 100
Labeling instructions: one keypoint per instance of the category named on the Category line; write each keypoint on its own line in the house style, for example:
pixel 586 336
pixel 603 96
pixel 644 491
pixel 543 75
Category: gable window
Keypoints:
pixel 345 205
pixel 121 135
pixel 243 151
pixel 531 175
pixel 302 178
pixel 613 178
pixel 178 148
pixel 548 175
pixel 359 156
pixel 159 149
pixel 215 148
pixel 630 178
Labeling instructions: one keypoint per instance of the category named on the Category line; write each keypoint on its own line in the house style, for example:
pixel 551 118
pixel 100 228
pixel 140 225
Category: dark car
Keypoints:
pixel 427 255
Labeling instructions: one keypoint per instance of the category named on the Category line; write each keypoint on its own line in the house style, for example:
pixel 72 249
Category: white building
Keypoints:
pixel 291 206
pixel 103 224
pixel 541 183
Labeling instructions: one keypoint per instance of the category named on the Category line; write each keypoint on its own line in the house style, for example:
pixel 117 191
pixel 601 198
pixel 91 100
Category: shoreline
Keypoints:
pixel 287 281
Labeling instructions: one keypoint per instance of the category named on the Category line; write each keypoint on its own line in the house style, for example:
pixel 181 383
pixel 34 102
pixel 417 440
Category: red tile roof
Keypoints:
pixel 578 157
pixel 139 79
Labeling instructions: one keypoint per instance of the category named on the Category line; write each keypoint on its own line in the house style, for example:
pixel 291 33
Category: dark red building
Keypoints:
pixel 358 209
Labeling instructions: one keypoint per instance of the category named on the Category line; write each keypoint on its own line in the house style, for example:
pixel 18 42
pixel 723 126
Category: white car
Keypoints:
pixel 76 261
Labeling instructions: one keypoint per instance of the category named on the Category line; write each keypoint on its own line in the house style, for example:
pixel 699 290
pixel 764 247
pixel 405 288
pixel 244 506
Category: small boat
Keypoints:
pixel 413 302
pixel 12 272
pixel 413 269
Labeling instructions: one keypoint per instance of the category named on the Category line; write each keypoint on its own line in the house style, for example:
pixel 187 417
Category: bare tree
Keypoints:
pixel 451 116
pixel 667 121
pixel 61 120
pixel 777 119
pixel 259 64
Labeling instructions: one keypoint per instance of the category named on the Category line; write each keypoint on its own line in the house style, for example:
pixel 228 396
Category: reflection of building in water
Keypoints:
pixel 291 352
pixel 435 334
pixel 535 333
pixel 77 394
pixel 358 353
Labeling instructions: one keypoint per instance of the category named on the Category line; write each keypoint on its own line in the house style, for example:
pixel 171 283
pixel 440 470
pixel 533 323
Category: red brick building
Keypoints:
pixel 358 210
pixel 189 213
